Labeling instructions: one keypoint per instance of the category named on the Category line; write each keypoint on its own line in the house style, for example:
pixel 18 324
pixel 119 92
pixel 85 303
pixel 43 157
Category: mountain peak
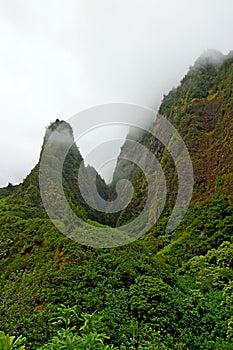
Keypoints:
pixel 60 131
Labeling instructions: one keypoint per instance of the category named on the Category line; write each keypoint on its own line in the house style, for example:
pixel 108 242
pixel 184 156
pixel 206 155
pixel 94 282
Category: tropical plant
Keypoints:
pixel 69 336
pixel 11 342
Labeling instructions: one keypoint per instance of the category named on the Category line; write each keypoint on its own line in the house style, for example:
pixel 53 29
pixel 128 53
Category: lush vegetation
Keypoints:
pixel 160 292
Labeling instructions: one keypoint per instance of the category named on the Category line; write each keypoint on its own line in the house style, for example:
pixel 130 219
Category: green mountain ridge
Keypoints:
pixel 204 120
pixel 163 291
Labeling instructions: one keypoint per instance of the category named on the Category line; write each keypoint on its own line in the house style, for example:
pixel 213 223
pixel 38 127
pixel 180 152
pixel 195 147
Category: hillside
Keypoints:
pixel 201 108
pixel 163 291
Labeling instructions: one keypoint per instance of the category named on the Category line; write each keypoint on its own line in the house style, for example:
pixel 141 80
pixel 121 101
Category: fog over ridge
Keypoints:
pixel 60 57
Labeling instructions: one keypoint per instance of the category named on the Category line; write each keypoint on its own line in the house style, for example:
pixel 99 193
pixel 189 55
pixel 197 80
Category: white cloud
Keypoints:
pixel 60 56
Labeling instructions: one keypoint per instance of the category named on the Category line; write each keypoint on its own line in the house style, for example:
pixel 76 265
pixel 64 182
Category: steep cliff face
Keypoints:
pixel 57 136
pixel 201 109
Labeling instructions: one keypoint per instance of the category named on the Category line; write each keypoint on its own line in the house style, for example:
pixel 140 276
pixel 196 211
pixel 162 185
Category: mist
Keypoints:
pixel 60 57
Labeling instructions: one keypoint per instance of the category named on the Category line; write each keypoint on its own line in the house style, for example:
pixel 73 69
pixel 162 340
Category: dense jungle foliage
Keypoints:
pixel 163 291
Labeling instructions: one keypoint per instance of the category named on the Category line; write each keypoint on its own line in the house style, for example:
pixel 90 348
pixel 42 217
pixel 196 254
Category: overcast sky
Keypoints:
pixel 58 57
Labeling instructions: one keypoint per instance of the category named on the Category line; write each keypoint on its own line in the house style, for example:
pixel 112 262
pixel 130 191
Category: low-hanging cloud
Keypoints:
pixel 59 57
